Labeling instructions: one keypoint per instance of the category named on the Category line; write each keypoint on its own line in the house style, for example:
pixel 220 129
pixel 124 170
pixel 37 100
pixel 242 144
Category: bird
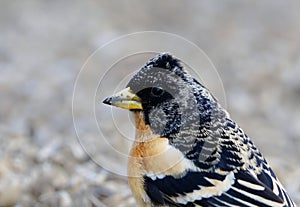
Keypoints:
pixel 187 150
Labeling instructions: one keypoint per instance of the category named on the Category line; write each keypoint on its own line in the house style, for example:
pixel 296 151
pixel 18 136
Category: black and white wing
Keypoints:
pixel 241 188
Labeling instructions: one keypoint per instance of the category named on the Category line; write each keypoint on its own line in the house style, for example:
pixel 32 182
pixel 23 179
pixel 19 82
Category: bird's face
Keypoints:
pixel 154 93
pixel 164 93
pixel 141 96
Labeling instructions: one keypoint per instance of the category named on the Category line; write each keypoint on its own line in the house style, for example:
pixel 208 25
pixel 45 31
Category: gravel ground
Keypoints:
pixel 43 45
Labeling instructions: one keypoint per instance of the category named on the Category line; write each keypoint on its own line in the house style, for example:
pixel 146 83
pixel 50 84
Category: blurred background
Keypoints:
pixel 43 44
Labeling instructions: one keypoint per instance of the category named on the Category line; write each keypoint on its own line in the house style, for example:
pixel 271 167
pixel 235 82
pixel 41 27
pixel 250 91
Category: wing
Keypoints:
pixel 212 189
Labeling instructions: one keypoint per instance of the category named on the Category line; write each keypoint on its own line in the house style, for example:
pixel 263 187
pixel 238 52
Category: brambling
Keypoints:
pixel 187 150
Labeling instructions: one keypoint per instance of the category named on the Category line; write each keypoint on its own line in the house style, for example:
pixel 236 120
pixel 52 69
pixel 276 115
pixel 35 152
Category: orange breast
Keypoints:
pixel 154 157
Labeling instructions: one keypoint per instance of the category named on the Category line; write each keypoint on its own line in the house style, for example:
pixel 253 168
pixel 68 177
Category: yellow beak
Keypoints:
pixel 125 99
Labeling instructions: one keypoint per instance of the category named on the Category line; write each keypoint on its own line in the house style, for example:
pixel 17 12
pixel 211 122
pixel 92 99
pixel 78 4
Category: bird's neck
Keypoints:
pixel 143 131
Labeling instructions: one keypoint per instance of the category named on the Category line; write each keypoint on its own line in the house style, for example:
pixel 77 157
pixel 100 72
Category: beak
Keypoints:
pixel 125 99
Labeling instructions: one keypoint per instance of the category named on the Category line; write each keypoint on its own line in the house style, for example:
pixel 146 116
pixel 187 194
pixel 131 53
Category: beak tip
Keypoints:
pixel 107 101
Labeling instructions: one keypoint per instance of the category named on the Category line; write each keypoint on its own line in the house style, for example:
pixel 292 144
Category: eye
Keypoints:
pixel 157 91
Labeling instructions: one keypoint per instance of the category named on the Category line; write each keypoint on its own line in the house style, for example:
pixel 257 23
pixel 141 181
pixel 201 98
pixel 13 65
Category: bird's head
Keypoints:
pixel 167 95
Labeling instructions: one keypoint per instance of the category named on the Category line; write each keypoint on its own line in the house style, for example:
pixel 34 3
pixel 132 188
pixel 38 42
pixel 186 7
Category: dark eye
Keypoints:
pixel 157 91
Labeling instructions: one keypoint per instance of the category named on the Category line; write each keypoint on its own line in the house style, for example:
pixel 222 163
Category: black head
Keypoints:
pixel 158 80
pixel 170 97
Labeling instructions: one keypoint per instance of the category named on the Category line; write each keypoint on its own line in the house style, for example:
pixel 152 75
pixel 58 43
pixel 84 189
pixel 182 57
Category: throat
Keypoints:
pixel 143 131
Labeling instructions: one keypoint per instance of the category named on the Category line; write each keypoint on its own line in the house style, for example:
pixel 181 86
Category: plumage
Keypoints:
pixel 187 150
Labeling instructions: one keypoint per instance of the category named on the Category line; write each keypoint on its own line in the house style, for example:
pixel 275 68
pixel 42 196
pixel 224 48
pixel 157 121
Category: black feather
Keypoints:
pixel 172 186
